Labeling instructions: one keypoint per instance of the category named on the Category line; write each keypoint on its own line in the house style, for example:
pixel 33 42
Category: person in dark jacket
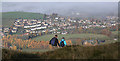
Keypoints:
pixel 54 41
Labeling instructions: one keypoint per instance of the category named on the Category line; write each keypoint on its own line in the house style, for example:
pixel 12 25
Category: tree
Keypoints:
pixel 50 46
pixel 40 34
pixel 46 32
pixel 80 29
pixel 14 47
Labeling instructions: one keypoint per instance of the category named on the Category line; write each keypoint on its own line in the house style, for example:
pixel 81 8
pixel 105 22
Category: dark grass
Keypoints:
pixel 108 51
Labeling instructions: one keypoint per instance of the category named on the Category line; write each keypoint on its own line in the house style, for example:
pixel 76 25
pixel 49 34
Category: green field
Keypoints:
pixel 72 36
pixel 115 32
pixel 8 18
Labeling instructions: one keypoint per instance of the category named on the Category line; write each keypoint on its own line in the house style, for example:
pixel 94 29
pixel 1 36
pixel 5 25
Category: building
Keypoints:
pixel 6 30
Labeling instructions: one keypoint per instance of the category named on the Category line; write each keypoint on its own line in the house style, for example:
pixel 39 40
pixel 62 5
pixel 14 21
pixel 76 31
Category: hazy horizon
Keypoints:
pixel 64 8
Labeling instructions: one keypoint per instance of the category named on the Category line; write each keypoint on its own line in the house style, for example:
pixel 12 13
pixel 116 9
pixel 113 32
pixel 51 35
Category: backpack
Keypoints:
pixel 62 44
pixel 52 41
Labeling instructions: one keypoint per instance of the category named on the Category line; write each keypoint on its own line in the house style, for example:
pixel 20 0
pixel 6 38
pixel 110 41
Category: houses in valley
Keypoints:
pixel 56 24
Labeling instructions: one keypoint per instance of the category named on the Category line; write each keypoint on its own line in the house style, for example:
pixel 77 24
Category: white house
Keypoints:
pixel 14 31
pixel 6 29
pixel 27 30
pixel 14 27
pixel 33 29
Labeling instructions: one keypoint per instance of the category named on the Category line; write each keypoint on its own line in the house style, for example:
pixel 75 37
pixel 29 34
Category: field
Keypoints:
pixel 8 18
pixel 77 38
pixel 115 32
pixel 72 36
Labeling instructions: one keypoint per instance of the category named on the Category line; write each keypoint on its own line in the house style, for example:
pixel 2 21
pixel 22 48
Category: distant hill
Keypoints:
pixel 8 18
pixel 107 51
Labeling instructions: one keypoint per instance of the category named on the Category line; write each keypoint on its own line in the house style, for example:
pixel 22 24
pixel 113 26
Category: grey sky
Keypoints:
pixel 60 0
pixel 63 8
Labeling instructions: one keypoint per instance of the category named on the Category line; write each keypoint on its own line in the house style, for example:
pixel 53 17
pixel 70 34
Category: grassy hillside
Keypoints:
pixel 25 15
pixel 108 51
pixel 8 18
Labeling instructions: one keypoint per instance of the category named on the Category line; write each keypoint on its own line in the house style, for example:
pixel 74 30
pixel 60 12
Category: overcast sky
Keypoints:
pixel 60 0
pixel 63 8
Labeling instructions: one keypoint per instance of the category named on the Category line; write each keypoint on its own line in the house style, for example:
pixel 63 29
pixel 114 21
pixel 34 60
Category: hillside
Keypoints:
pixel 108 51
pixel 8 18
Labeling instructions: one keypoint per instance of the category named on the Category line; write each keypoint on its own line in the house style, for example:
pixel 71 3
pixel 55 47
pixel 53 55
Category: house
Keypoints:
pixel 26 26
pixel 46 24
pixel 6 30
pixel 34 23
pixel 57 18
pixel 103 26
pixel 33 32
pixel 38 22
pixel 50 30
pixel 18 20
pixel 38 25
pixel 38 28
pixel 14 30
pixel 26 34
pixel 43 27
pixel 43 30
pixel 0 28
pixel 27 30
pixel 33 29
pixel 14 27
pixel 34 20
pixel 19 25
pixel 61 18
pixel 64 32
pixel 58 32
pixel 25 20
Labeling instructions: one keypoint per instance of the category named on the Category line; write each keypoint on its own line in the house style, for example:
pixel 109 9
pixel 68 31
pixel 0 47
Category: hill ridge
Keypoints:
pixel 108 51
pixel 8 18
